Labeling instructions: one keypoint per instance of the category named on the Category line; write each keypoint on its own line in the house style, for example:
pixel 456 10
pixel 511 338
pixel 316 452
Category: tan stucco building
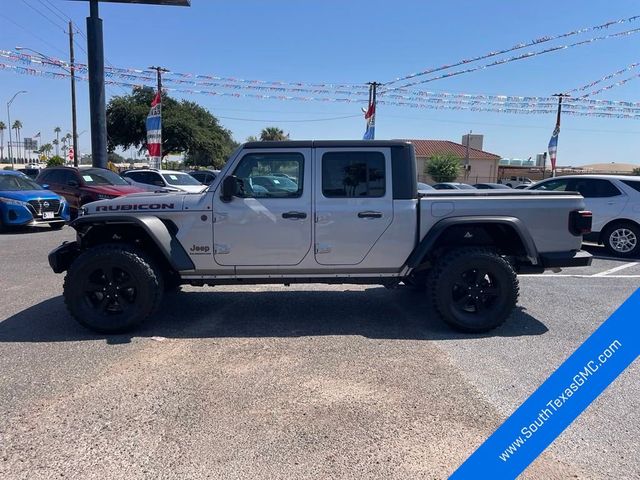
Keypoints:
pixel 483 165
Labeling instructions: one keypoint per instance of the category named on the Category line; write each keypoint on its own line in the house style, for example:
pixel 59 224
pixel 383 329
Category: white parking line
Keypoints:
pixel 615 269
pixel 556 275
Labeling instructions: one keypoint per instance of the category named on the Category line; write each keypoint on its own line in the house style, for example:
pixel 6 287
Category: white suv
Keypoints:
pixel 165 180
pixel 615 203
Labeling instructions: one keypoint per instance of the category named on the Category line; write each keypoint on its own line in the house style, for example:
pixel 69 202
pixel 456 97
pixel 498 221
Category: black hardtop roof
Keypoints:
pixel 326 144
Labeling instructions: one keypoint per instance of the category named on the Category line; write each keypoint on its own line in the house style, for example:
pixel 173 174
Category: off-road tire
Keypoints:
pixel 632 233
pixel 113 288
pixel 466 299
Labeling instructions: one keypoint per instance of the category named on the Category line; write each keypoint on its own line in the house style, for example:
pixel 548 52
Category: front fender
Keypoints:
pixel 164 238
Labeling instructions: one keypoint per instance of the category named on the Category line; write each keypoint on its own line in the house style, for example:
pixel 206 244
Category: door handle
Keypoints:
pixel 294 215
pixel 369 214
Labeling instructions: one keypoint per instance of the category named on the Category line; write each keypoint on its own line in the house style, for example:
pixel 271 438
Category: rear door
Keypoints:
pixel 602 197
pixel 353 202
pixel 266 226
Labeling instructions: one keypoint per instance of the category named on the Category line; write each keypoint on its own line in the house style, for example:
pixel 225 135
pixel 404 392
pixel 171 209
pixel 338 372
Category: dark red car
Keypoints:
pixel 84 185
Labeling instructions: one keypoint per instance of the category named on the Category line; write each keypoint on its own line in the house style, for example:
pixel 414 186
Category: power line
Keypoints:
pixel 46 17
pixel 63 17
pixel 46 42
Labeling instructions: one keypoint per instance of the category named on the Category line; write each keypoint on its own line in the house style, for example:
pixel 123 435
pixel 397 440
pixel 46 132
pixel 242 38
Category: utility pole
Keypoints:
pixel 159 72
pixel 467 163
pixel 74 122
pixel 370 114
pixel 553 143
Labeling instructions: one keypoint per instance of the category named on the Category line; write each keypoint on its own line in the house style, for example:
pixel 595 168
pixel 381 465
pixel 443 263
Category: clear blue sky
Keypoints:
pixel 347 41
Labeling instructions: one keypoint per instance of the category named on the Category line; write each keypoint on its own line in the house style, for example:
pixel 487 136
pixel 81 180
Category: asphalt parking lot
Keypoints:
pixel 295 382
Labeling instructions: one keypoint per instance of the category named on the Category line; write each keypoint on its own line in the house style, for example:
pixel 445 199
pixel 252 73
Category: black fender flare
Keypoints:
pixel 158 231
pixel 432 236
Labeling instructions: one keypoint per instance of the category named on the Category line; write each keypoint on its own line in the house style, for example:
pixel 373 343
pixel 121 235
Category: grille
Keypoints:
pixel 41 206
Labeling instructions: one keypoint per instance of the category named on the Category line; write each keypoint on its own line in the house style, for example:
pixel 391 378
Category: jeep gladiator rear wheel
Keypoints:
pixel 474 289
pixel 112 288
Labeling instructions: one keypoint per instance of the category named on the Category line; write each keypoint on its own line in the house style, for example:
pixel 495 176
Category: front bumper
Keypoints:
pixel 62 257
pixel 576 258
pixel 23 215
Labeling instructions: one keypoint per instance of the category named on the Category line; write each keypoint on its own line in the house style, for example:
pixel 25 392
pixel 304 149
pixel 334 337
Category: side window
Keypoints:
pixel 553 185
pixel 67 176
pixel 353 174
pixel 271 175
pixel 632 184
pixel 54 176
pixel 593 188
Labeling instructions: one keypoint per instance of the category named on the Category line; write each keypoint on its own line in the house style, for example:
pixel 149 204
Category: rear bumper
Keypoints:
pixel 577 258
pixel 62 257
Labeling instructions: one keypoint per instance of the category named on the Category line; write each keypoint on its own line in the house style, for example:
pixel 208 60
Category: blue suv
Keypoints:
pixel 24 202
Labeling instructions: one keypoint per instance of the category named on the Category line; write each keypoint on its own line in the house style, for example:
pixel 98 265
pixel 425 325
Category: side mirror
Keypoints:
pixel 73 183
pixel 230 188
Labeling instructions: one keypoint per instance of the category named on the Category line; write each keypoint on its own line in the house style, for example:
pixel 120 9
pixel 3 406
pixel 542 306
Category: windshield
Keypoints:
pixel 16 183
pixel 180 179
pixel 100 176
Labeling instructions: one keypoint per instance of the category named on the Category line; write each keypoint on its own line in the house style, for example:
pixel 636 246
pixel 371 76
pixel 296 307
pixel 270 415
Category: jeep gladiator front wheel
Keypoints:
pixel 474 289
pixel 112 288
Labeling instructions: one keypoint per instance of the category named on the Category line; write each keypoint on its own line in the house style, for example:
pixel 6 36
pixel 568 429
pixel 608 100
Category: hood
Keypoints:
pixel 140 202
pixel 26 195
pixel 190 188
pixel 115 190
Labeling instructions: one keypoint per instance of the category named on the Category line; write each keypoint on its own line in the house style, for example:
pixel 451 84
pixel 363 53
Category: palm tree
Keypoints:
pixel 17 125
pixel 57 131
pixel 273 133
pixel 46 149
pixel 3 127
pixel 64 146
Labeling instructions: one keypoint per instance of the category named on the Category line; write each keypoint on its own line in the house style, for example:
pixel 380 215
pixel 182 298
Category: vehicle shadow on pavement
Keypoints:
pixel 373 313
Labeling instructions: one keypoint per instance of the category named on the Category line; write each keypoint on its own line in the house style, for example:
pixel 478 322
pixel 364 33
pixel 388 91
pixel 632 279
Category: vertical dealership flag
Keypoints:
pixel 154 132
pixel 370 117
pixel 553 147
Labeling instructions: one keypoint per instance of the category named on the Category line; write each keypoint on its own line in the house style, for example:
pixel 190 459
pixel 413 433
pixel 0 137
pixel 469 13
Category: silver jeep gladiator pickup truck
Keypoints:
pixel 319 212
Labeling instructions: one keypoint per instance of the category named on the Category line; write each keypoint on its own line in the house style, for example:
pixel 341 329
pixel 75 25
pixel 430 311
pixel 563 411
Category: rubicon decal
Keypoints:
pixel 140 206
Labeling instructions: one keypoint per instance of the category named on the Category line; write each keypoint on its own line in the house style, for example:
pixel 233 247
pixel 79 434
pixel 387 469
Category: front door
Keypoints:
pixel 269 223
pixel 354 202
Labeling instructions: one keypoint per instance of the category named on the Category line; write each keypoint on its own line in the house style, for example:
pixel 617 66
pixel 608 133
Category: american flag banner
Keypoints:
pixel 370 117
pixel 154 132
pixel 553 147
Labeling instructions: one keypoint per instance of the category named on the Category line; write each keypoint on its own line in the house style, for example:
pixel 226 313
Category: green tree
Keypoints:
pixel 55 161
pixel 636 171
pixel 443 167
pixel 187 128
pixel 251 138
pixel 273 133
pixel 45 149
pixel 3 127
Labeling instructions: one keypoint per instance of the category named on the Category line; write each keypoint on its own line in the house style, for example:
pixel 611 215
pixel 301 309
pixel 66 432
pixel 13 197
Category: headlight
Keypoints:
pixel 11 201
pixel 102 196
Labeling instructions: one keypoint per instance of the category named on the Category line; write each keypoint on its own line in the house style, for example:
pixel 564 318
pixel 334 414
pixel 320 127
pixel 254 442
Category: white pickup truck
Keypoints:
pixel 319 212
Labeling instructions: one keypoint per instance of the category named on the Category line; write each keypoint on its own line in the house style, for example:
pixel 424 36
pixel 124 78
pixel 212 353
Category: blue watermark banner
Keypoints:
pixel 560 399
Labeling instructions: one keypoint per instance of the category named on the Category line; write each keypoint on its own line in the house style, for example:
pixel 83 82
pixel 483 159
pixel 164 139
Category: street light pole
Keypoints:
pixel 71 71
pixel 9 126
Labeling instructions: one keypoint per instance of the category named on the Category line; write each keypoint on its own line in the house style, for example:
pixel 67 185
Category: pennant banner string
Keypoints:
pixel 518 46
pixel 603 79
pixel 522 56
pixel 609 87
pixel 451 104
